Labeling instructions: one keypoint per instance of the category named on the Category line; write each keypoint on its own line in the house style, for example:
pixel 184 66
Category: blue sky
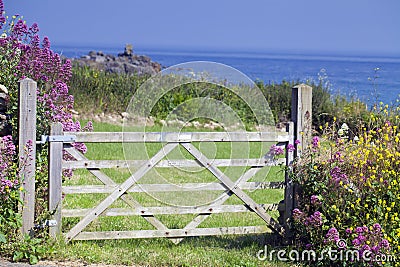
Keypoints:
pixel 293 26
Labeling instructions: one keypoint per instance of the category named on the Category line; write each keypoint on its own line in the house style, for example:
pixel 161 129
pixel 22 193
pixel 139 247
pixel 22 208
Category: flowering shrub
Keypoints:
pixel 9 191
pixel 349 197
pixel 23 54
pixel 10 219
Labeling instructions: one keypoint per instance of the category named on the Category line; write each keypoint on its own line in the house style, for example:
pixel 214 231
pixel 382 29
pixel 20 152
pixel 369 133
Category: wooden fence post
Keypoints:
pixel 27 134
pixel 55 179
pixel 302 115
pixel 302 118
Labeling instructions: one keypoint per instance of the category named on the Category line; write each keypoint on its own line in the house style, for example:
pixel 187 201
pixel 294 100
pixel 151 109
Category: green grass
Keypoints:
pixel 194 251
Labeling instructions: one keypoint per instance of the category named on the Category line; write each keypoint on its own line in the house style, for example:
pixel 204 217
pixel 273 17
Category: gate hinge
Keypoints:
pixel 57 138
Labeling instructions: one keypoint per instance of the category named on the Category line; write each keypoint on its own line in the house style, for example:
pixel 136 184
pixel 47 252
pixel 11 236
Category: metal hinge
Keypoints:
pixel 57 138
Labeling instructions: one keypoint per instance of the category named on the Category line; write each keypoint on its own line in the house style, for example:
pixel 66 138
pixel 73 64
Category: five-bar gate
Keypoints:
pixel 59 141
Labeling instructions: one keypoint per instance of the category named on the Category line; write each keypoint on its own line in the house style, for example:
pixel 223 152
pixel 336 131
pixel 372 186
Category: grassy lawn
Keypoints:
pixel 194 251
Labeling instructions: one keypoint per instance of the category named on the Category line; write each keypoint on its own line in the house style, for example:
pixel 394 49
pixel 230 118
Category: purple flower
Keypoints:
pixel 384 243
pixel 366 248
pixel 332 235
pixel 315 142
pixel 297 214
pixel 356 242
pixel 361 238
pixel 315 200
pixel 297 142
pixel 276 150
pixel 290 148
pixel 377 227
pixel 337 175
pixel 359 230
pixel 315 219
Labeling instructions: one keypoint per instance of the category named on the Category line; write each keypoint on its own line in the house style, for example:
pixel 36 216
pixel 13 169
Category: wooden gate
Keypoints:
pixel 59 141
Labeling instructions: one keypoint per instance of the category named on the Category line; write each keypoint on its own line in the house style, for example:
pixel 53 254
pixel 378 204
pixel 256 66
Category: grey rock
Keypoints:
pixel 126 62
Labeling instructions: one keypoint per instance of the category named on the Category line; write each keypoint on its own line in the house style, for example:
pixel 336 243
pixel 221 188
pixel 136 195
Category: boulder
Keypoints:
pixel 126 62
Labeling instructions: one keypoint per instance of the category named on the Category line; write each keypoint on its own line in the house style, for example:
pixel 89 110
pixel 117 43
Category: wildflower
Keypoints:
pixel 385 243
pixel 290 148
pixel 315 200
pixel 296 214
pixel 332 235
pixel 276 150
pixel 315 142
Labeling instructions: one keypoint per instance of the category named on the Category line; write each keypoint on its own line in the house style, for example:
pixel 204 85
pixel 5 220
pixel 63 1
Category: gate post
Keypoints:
pixel 302 115
pixel 55 179
pixel 302 118
pixel 27 137
pixel 299 129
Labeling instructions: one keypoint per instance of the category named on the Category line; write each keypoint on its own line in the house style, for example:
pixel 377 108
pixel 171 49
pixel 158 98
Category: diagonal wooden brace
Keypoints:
pixel 221 200
pixel 233 187
pixel 128 199
pixel 95 212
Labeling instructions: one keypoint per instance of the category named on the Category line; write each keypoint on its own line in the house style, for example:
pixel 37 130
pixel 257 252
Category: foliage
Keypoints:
pixel 30 249
pixel 10 219
pixel 350 192
pixel 97 91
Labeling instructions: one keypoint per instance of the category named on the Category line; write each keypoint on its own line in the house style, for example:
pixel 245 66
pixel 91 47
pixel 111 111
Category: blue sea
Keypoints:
pixel 371 79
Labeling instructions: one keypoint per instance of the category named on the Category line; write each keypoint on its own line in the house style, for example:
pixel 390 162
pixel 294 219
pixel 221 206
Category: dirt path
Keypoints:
pixel 5 263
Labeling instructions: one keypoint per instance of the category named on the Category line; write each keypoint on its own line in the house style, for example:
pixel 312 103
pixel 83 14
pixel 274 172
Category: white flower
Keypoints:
pixel 3 88
pixel 4 35
pixel 344 127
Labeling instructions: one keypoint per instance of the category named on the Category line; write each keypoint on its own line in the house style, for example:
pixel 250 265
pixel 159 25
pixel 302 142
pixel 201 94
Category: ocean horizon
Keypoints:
pixel 369 78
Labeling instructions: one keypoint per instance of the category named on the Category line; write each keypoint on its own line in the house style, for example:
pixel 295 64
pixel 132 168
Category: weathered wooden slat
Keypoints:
pixel 177 233
pixel 95 212
pixel 55 179
pixel 186 187
pixel 289 190
pixel 234 188
pixel 102 164
pixel 169 137
pixel 144 211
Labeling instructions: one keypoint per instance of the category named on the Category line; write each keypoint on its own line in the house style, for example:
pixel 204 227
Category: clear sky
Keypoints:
pixel 293 26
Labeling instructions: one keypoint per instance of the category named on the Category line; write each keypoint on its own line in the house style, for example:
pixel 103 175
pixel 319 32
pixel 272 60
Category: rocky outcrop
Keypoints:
pixel 5 128
pixel 126 62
